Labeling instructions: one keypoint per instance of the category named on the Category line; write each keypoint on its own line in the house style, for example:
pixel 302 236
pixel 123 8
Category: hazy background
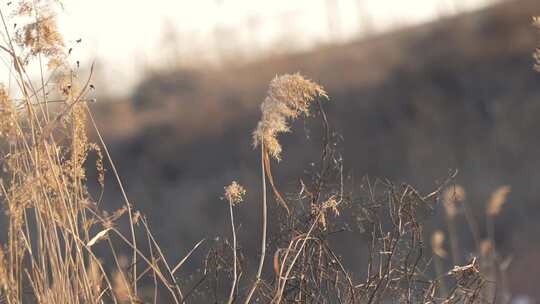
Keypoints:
pixel 418 88
pixel 129 36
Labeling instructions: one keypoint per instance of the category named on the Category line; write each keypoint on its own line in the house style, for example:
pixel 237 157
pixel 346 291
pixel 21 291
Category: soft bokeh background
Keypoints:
pixel 129 36
pixel 418 88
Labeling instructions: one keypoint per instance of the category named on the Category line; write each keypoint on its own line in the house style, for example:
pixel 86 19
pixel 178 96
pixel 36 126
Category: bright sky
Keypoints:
pixel 126 35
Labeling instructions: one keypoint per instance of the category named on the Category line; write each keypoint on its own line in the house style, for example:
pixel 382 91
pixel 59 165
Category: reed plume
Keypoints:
pixel 497 200
pixel 437 243
pixel 451 197
pixel 288 97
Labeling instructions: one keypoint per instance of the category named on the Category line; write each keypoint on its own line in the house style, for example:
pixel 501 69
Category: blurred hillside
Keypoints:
pixel 410 105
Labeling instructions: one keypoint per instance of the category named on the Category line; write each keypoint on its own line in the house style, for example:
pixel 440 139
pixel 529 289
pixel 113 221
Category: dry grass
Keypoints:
pixel 54 224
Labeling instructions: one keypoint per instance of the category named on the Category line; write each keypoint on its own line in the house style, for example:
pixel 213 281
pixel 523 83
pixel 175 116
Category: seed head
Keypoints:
pixel 451 196
pixel 437 242
pixel 288 97
pixel 8 116
pixel 486 248
pixel 498 198
pixel 234 193
pixel 42 36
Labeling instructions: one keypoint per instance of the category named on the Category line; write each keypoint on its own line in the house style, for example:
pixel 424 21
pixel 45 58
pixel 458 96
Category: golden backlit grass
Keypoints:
pixel 53 222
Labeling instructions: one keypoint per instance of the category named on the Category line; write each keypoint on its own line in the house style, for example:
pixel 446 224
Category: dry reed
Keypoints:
pixel 451 197
pixel 53 222
pixel 497 200
pixel 55 226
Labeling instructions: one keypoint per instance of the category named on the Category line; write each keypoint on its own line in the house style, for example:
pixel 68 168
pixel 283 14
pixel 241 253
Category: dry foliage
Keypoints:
pixel 55 225
pixel 56 236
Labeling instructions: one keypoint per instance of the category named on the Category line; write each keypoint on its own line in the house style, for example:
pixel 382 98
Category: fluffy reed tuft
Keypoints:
pixel 497 200
pixel 452 196
pixel 486 248
pixel 8 116
pixel 288 97
pixel 41 36
pixel 437 243
pixel 234 193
